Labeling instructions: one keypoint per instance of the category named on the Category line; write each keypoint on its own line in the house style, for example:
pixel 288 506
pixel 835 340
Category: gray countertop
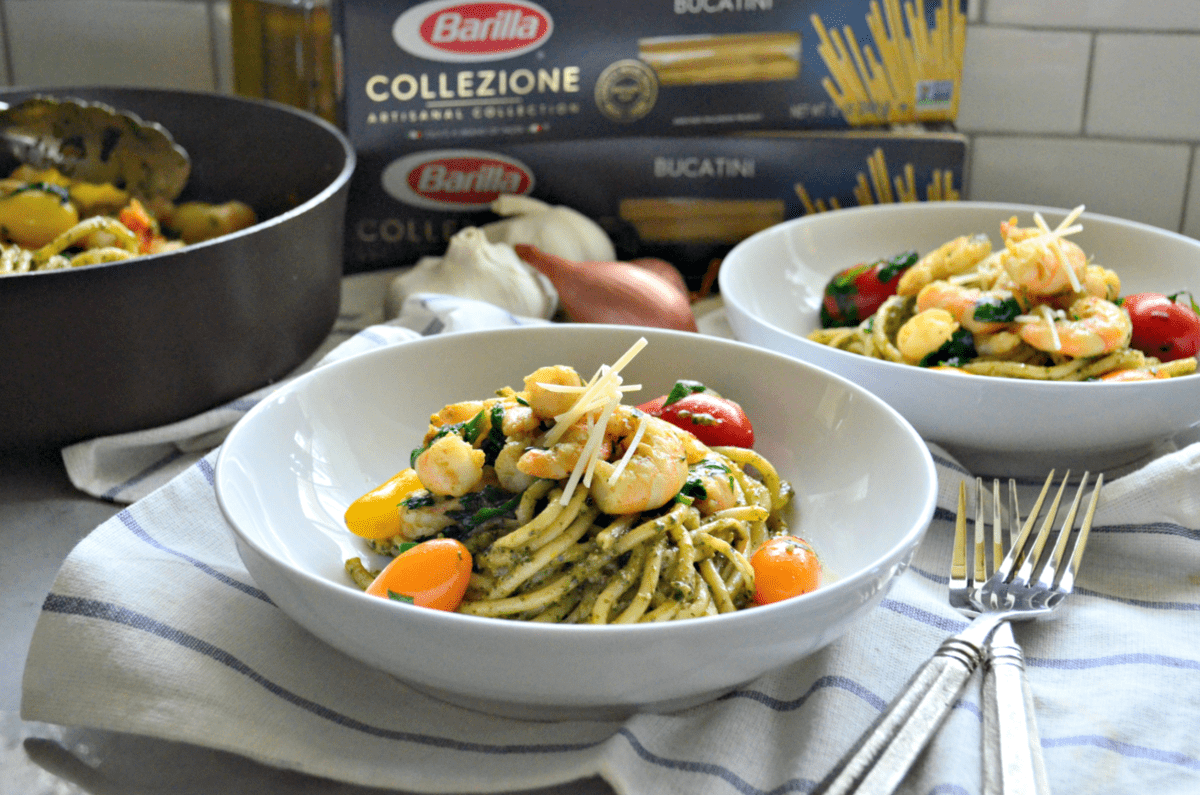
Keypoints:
pixel 42 517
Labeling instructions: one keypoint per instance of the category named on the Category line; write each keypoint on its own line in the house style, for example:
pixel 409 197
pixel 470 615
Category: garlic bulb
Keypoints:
pixel 474 268
pixel 554 229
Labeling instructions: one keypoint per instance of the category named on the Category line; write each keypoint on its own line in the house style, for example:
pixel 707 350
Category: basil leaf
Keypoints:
pixel 682 389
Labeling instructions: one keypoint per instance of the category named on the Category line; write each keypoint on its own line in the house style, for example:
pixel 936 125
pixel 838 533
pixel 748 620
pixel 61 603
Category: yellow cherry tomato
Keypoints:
pixel 432 574
pixel 785 566
pixel 33 216
pixel 376 514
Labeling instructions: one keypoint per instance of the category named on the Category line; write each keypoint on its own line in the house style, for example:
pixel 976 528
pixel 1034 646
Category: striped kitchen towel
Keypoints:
pixel 154 627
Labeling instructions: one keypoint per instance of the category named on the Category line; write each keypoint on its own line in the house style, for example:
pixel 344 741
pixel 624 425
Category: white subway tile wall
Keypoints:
pixel 1065 102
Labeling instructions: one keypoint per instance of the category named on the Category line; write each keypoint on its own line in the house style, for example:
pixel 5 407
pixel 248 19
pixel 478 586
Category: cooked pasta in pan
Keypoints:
pixel 49 221
pixel 574 507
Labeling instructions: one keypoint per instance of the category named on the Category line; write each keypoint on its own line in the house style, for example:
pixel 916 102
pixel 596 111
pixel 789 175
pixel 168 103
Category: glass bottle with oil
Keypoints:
pixel 283 51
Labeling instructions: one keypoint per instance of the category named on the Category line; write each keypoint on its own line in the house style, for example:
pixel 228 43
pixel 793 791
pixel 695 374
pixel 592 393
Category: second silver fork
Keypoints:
pixel 1011 747
pixel 1012 751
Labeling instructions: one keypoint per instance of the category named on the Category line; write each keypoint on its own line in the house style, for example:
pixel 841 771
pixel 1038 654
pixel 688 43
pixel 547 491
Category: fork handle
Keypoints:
pixel 1012 749
pixel 884 754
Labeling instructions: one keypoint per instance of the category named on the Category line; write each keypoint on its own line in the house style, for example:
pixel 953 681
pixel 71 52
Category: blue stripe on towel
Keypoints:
pixel 126 518
pixel 105 611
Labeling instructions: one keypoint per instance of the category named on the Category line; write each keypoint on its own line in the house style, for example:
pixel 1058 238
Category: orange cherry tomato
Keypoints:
pixel 785 566
pixel 376 514
pixel 434 573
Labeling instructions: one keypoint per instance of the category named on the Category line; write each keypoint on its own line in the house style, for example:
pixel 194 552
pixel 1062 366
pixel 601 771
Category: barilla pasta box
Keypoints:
pixel 456 72
pixel 685 199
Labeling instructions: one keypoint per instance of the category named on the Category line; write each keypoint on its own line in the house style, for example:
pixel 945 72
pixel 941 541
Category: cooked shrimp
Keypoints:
pixel 651 478
pixel 557 461
pixel 714 476
pixel 450 466
pixel 1101 282
pixel 1040 260
pixel 507 472
pixel 1091 327
pixel 956 256
pixel 924 333
pixel 1001 344
pixel 549 403
pixel 1130 375
pixel 452 414
pixel 970 305
pixel 516 419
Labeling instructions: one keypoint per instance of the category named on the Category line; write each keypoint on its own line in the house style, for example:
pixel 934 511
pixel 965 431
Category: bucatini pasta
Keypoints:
pixel 578 508
pixel 49 221
pixel 1038 308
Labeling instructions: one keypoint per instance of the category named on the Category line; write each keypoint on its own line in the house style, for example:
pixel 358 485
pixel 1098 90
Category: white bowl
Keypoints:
pixel 772 285
pixel 865 491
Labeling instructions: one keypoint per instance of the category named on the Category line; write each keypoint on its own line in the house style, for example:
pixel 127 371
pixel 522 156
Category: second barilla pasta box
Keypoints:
pixel 685 199
pixel 456 72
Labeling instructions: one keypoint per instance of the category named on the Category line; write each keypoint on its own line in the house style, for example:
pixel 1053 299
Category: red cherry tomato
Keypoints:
pixel 434 573
pixel 854 294
pixel 715 421
pixel 785 566
pixel 1162 327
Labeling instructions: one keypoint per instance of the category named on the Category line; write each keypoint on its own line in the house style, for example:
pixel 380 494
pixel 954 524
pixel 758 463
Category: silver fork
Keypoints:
pixel 1029 582
pixel 1012 753
pixel 1012 750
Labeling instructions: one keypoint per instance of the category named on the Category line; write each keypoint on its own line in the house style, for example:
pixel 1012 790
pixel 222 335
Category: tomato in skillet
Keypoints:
pixel 854 294
pixel 714 420
pixel 1163 327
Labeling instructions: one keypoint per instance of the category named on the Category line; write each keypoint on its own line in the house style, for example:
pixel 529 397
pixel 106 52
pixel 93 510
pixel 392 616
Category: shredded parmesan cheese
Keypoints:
pixel 1052 239
pixel 633 443
pixel 603 392
pixel 595 393
pixel 1049 316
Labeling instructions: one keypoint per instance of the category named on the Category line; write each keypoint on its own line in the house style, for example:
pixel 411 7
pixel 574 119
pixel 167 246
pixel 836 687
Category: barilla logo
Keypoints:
pixel 455 180
pixel 453 30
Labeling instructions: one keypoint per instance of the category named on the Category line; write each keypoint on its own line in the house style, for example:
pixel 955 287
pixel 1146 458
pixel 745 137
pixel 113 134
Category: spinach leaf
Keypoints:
pixel 955 352
pixel 494 442
pixel 479 507
pixel 891 267
pixel 997 310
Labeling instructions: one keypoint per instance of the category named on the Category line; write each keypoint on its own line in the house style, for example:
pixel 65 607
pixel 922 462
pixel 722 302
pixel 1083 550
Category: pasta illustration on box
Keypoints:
pixel 913 72
pixel 879 189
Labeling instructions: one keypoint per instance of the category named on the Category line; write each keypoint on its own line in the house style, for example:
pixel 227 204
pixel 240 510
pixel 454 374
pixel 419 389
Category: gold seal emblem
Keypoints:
pixel 626 90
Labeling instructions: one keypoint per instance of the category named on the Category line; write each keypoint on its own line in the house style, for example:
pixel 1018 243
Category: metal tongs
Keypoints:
pixel 93 142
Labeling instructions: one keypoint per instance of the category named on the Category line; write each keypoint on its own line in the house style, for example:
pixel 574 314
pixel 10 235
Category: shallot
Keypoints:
pixel 623 293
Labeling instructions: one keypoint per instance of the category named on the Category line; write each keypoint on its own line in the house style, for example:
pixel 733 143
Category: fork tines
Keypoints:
pixel 1041 555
